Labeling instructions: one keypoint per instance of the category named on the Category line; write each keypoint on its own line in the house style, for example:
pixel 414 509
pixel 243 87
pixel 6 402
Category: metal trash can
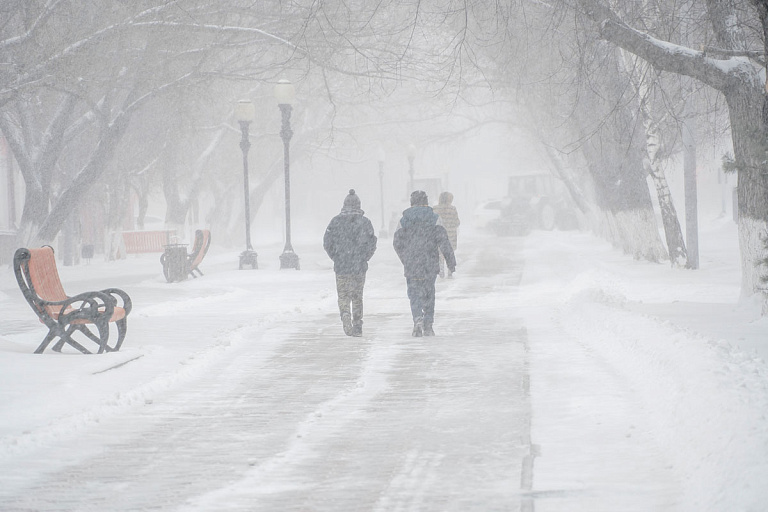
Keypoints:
pixel 174 262
pixel 86 251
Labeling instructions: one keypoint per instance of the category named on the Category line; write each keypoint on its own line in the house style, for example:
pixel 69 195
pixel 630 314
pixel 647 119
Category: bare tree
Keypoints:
pixel 643 82
pixel 729 69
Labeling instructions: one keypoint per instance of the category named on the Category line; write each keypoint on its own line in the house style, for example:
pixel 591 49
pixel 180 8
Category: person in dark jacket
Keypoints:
pixel 350 242
pixel 418 240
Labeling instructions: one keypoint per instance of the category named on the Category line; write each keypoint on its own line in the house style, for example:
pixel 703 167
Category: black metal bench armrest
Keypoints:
pixel 89 306
pixel 126 300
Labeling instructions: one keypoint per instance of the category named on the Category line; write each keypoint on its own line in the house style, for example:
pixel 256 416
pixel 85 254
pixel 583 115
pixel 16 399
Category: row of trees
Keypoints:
pixel 618 87
pixel 123 93
pixel 719 44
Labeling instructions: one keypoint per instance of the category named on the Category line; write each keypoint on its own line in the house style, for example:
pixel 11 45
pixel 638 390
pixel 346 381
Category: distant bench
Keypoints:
pixel 177 264
pixel 137 242
pixel 199 250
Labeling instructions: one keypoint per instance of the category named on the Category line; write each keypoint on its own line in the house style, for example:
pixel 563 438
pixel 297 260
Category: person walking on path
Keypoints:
pixel 350 242
pixel 449 216
pixel 418 240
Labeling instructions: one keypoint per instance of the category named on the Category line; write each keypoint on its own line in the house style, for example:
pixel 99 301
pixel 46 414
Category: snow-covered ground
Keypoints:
pixel 624 350
pixel 643 387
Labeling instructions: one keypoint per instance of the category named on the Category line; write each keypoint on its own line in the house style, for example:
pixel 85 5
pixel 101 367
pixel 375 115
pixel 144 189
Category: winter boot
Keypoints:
pixel 418 328
pixel 428 330
pixel 346 322
pixel 357 330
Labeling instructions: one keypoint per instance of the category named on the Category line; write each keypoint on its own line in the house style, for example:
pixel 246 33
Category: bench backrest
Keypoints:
pixel 200 248
pixel 137 242
pixel 38 276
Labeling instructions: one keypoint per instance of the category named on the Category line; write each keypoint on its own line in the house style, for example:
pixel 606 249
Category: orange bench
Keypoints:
pixel 137 242
pixel 177 264
pixel 199 250
pixel 86 315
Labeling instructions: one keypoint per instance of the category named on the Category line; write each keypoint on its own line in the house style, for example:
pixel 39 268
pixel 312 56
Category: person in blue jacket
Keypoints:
pixel 418 240
pixel 350 242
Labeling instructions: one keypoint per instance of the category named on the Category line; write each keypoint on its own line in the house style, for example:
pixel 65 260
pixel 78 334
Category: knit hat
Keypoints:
pixel 419 198
pixel 352 201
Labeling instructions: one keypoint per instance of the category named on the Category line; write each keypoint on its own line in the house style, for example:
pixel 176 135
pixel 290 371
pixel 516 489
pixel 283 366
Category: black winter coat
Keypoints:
pixel 418 241
pixel 350 242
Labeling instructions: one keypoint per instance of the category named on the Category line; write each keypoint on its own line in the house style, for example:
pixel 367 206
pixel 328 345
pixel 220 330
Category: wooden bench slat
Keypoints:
pixel 137 242
pixel 45 275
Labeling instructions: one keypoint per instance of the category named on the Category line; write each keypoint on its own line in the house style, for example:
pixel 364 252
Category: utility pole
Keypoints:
pixel 691 201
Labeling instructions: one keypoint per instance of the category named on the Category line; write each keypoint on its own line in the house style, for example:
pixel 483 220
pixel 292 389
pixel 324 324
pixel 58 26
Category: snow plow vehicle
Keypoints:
pixel 534 201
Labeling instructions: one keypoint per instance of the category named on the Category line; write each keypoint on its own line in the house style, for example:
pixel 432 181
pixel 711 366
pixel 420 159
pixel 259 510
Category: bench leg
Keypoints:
pixel 46 341
pixel 100 337
pixel 122 328
pixel 103 328
pixel 66 337
pixel 165 268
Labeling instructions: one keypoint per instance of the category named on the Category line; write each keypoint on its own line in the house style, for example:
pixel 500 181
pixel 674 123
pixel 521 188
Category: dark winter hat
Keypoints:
pixel 419 198
pixel 352 201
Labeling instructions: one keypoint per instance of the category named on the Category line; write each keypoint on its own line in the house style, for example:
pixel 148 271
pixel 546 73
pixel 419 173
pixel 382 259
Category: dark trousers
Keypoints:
pixel 350 292
pixel 421 293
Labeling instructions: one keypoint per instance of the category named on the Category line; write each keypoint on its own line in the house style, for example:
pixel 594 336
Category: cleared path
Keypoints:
pixel 304 418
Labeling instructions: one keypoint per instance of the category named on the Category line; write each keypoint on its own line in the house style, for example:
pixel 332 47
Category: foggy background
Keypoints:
pixel 120 116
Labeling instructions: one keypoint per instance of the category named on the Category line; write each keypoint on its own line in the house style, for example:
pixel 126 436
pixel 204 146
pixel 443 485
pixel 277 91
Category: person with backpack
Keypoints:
pixel 350 242
pixel 418 241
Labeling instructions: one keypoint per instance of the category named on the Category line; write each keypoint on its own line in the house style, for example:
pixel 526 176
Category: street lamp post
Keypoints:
pixel 285 94
pixel 382 155
pixel 245 113
pixel 411 152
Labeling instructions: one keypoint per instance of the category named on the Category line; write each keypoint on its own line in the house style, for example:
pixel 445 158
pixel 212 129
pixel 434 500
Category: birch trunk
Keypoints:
pixel 742 86
pixel 642 81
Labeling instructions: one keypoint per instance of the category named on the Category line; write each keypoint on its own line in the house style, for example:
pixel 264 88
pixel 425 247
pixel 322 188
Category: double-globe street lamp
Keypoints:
pixel 381 156
pixel 245 112
pixel 285 95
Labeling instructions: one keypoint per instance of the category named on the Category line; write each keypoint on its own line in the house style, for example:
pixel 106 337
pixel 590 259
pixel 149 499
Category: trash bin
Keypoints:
pixel 174 262
pixel 86 251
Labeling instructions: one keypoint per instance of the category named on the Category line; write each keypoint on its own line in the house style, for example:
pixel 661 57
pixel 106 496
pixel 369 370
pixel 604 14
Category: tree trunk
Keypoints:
pixel 566 177
pixel 643 81
pixel 75 191
pixel 749 153
pixel 33 215
pixel 621 189
pixel 635 232
pixel 672 231
pixel 742 87
pixel 669 219
pixel 143 207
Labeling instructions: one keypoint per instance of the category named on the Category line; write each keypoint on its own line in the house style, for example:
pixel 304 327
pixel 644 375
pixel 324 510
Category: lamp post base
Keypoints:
pixel 248 257
pixel 289 259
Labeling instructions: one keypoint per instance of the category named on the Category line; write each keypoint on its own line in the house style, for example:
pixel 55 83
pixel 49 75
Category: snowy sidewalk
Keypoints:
pixel 242 393
pixel 239 390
